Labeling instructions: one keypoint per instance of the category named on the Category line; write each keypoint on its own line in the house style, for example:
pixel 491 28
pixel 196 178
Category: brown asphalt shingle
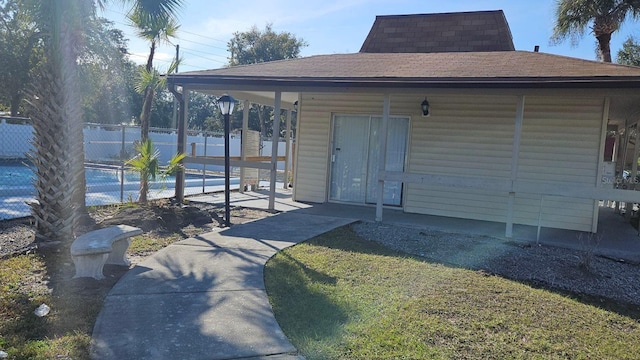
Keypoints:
pixel 446 32
pixel 456 65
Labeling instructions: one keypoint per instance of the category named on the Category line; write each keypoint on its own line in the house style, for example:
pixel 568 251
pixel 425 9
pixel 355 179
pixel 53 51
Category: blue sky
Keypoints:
pixel 339 26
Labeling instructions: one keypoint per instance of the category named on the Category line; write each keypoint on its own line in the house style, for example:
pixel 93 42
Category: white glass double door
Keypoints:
pixel 355 158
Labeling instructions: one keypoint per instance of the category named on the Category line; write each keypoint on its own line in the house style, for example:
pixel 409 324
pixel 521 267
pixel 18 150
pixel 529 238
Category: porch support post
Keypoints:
pixel 634 171
pixel 274 150
pixel 182 141
pixel 384 129
pixel 603 139
pixel 243 142
pixel 517 132
pixel 287 141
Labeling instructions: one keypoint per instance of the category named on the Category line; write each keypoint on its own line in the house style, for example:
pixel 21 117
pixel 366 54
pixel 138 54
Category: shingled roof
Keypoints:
pixel 445 32
pixel 496 69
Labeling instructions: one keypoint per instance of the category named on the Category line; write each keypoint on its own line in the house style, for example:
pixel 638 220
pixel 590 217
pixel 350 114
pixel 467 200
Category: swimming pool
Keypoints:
pixel 103 187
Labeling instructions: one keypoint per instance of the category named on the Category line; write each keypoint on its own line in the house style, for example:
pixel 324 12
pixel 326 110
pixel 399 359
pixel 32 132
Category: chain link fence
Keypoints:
pixel 107 148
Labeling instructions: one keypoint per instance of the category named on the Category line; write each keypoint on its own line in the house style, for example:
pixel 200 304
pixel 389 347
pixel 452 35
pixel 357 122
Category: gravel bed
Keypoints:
pixel 565 269
pixel 16 236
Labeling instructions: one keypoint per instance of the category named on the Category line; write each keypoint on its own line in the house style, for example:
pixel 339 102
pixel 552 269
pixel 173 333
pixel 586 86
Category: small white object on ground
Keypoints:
pixel 42 310
pixel 3 355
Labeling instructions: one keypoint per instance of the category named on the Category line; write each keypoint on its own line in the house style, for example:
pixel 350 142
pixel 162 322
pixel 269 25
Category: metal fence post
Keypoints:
pixel 122 161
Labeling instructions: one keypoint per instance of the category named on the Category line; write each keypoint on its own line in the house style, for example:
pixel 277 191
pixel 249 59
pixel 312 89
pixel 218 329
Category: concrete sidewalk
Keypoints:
pixel 204 297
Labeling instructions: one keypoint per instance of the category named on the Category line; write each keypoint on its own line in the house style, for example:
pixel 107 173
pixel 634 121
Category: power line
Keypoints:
pixel 206 58
pixel 181 30
pixel 202 36
pixel 199 43
pixel 205 53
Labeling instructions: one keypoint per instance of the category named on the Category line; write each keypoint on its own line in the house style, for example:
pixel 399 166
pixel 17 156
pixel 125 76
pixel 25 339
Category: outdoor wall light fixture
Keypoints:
pixel 226 104
pixel 425 107
pixel 295 105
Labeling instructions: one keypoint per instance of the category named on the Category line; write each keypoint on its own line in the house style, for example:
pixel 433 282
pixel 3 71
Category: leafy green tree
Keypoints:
pixel 256 46
pixel 107 76
pixel 630 53
pixel 19 53
pixel 162 110
pixel 603 17
pixel 201 108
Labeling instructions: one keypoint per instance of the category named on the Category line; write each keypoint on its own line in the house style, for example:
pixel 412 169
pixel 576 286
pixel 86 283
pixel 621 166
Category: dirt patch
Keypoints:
pixel 162 223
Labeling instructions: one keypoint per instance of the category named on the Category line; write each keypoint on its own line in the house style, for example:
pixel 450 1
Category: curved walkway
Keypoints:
pixel 204 297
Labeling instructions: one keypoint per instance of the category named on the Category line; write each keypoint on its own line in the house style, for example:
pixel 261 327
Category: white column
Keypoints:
pixel 384 129
pixel 287 141
pixel 245 128
pixel 517 132
pixel 274 150
pixel 603 140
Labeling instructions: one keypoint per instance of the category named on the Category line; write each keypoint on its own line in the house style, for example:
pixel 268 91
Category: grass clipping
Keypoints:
pixel 341 297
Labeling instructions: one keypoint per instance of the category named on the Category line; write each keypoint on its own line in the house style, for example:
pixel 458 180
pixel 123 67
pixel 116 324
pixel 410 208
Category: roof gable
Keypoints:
pixel 445 32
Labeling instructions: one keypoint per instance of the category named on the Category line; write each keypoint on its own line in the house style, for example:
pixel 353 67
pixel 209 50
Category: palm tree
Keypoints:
pixel 155 26
pixel 55 107
pixel 56 112
pixel 604 17
pixel 146 163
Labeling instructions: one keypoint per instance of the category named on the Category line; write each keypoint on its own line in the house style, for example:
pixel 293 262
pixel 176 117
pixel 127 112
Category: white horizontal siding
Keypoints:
pixel 314 137
pixel 559 144
pixel 312 143
pixel 468 136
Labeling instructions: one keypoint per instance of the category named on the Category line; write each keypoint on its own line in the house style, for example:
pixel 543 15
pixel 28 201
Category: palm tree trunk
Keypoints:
pixel 604 46
pixel 145 115
pixel 56 112
pixel 144 188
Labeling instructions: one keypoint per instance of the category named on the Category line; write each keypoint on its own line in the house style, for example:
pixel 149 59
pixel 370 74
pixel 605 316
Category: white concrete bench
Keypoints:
pixel 91 251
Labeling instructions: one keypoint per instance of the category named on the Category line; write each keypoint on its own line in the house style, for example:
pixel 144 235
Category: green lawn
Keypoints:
pixel 341 297
pixel 65 333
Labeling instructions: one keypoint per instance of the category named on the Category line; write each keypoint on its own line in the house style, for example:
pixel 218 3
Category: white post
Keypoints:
pixel 603 140
pixel 287 142
pixel 517 132
pixel 245 128
pixel 274 150
pixel 384 129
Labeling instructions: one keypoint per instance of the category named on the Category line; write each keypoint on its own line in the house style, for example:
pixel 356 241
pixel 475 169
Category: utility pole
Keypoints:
pixel 174 122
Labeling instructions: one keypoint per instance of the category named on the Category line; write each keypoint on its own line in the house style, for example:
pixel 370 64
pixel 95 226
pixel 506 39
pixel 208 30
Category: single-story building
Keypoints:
pixel 439 114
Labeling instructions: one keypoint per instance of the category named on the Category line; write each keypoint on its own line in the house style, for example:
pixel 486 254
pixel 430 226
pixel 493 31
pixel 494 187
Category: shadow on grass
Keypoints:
pixel 290 283
pixel 500 255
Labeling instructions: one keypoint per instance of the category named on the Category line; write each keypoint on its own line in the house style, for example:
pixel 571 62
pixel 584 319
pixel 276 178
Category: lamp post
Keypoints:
pixel 226 104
